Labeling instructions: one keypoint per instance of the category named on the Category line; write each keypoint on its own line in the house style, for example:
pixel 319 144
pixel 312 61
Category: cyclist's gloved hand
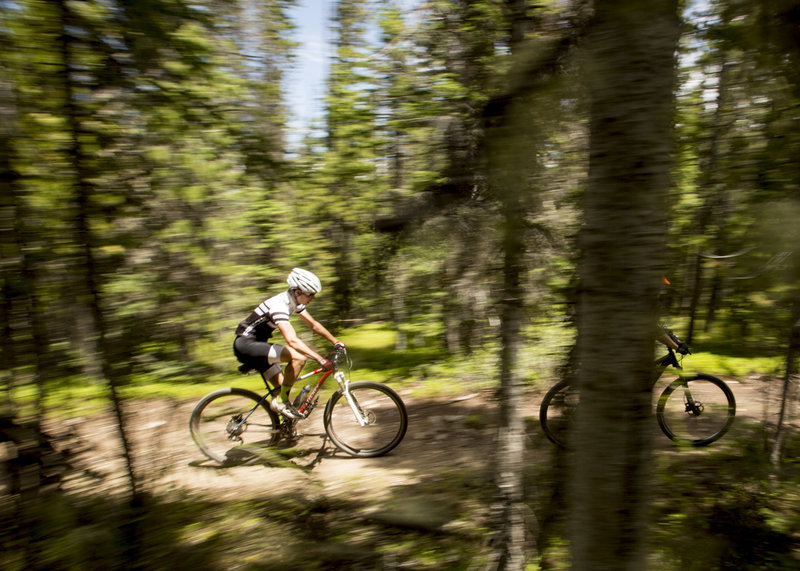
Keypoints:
pixel 683 348
pixel 339 345
pixel 327 365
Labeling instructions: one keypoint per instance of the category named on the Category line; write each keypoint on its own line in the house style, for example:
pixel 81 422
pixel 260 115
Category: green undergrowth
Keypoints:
pixel 424 370
pixel 722 507
pixel 428 525
pixel 720 364
pixel 742 512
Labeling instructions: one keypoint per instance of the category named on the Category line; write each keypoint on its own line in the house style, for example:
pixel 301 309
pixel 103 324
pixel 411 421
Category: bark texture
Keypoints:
pixel 630 76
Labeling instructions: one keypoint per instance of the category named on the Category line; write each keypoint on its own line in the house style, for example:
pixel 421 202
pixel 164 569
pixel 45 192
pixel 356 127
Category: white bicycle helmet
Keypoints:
pixel 305 281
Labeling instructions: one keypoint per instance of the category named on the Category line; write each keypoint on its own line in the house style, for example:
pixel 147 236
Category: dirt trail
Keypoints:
pixel 444 436
pixel 168 461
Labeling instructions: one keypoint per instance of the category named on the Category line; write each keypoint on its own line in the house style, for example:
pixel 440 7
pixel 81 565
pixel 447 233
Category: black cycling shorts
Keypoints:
pixel 255 354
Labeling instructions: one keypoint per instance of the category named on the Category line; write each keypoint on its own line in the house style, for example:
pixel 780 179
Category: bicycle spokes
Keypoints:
pixel 697 410
pixel 230 425
pixel 371 422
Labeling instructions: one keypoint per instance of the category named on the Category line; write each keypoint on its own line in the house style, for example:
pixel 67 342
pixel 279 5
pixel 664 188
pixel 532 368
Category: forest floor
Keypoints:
pixel 438 480
pixel 443 434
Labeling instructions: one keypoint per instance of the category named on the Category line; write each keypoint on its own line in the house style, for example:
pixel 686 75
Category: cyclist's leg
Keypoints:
pixel 280 398
pixel 273 377
pixel 295 361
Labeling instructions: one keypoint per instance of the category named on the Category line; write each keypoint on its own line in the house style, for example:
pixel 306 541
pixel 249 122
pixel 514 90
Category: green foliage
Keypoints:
pixel 184 531
pixel 727 500
pixel 149 139
pixel 733 366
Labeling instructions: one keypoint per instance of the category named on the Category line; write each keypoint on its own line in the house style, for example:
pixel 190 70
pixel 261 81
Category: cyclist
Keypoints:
pixel 253 348
pixel 663 334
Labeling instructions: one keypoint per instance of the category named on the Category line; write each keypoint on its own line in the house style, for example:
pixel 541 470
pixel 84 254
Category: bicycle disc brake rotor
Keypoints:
pixel 370 417
pixel 235 427
pixel 696 409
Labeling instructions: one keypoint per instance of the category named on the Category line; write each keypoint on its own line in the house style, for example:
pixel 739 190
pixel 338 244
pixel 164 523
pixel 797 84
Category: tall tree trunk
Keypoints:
pixel 19 279
pixel 509 157
pixel 10 253
pixel 87 263
pixel 509 149
pixel 399 281
pixel 510 154
pixel 24 334
pixel 511 545
pixel 630 73
pixel 788 378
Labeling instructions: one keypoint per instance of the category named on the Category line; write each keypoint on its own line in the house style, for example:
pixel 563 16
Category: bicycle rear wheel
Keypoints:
pixel 557 411
pixel 384 411
pixel 697 410
pixel 232 425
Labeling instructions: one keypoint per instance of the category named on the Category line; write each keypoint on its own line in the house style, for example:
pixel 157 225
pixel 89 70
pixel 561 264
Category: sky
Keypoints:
pixel 305 84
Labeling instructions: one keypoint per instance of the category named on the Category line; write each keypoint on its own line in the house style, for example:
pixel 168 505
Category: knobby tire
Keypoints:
pixel 214 418
pixel 556 412
pixel 705 424
pixel 386 414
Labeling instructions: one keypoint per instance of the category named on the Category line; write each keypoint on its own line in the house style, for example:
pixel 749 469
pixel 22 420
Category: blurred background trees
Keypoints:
pixel 150 194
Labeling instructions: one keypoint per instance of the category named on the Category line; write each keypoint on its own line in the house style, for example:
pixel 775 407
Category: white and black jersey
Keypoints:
pixel 265 318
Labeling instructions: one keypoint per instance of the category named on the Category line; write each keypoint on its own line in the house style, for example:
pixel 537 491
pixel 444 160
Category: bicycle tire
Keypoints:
pixel 556 412
pixel 215 431
pixel 387 420
pixel 709 420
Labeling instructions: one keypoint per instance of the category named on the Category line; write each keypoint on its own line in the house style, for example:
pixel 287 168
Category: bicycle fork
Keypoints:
pixel 344 383
pixel 691 406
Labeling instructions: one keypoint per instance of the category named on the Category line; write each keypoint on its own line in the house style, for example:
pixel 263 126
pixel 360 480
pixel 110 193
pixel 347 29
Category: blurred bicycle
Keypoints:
pixel 362 418
pixel 696 409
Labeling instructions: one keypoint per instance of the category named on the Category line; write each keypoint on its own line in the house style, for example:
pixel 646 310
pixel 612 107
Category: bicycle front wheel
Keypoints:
pixel 557 411
pixel 382 412
pixel 232 425
pixel 697 410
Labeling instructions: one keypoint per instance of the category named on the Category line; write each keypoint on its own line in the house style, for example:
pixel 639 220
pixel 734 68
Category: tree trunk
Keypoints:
pixel 697 283
pixel 10 252
pixel 511 540
pixel 511 158
pixel 788 378
pixel 86 263
pixel 399 281
pixel 21 318
pixel 630 73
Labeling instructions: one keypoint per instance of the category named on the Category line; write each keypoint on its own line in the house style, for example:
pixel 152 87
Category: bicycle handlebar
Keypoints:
pixel 683 348
pixel 339 356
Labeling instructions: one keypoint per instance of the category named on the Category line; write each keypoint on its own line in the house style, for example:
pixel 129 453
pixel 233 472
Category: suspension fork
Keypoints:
pixel 344 383
pixel 692 406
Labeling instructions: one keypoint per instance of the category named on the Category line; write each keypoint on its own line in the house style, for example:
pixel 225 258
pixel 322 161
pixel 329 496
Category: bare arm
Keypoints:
pixel 290 335
pixel 666 340
pixel 317 327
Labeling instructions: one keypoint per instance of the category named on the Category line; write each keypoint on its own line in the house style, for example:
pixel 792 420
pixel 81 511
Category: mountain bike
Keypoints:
pixel 362 418
pixel 696 409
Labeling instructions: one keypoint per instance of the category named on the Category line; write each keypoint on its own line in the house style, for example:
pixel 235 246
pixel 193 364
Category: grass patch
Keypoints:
pixel 426 370
pixel 733 366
